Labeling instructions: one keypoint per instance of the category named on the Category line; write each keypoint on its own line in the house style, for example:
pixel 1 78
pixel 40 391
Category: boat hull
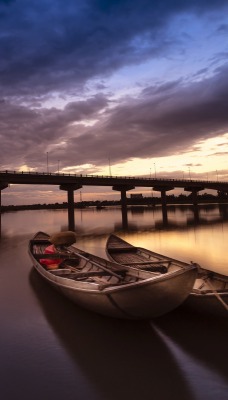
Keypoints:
pixel 147 298
pixel 207 304
pixel 209 294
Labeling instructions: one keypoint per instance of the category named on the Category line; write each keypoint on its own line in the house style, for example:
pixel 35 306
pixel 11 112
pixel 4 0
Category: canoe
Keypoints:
pixel 108 288
pixel 210 290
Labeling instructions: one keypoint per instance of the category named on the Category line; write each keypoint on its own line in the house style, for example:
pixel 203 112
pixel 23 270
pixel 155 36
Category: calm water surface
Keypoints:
pixel 52 349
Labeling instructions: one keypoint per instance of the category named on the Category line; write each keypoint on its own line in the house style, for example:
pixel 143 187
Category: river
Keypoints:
pixel 52 349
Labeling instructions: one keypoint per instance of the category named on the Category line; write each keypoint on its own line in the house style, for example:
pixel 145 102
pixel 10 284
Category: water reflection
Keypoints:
pixel 204 242
pixel 65 352
pixel 123 359
pixel 177 354
pixel 199 374
pixel 199 336
pixel 175 215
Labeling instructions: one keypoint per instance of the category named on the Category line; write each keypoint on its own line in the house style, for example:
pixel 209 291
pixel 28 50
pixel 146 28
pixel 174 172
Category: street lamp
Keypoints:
pixel 58 166
pixel 155 171
pixel 47 163
pixel 110 173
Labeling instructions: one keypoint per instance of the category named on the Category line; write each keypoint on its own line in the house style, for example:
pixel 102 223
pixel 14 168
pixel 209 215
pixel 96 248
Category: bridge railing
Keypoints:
pixel 5 172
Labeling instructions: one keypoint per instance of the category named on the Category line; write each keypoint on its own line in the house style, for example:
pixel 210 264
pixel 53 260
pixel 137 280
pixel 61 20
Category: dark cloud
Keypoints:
pixel 26 134
pixel 168 118
pixel 159 125
pixel 49 47
pixel 223 28
pixel 162 120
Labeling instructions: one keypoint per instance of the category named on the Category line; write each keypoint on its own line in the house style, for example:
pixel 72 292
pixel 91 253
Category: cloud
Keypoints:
pixel 25 133
pixel 50 49
pixel 49 46
pixel 162 120
pixel 165 120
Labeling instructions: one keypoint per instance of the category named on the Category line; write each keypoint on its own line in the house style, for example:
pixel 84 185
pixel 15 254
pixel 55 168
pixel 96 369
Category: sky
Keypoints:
pixel 99 87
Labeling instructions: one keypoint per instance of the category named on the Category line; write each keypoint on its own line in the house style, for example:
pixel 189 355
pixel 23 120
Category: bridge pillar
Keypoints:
pixel 2 187
pixel 222 195
pixel 70 197
pixel 194 191
pixel 123 190
pixel 163 190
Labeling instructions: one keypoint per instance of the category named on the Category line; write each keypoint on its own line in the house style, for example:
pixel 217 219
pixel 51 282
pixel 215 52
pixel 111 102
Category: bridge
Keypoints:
pixel 72 182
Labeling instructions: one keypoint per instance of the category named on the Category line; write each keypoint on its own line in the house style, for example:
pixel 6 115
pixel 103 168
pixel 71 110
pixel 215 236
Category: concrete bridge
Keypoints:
pixel 72 182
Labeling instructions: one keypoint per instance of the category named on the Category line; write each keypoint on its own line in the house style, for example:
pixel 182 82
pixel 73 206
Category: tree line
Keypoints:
pixel 171 199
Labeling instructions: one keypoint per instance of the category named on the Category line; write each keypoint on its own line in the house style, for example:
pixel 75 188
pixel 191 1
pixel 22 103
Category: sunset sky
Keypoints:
pixel 127 87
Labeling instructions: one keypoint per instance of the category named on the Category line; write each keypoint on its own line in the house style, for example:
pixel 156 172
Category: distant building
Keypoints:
pixel 137 196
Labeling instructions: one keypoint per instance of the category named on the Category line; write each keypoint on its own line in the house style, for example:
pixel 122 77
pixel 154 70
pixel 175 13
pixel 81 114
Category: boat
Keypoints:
pixel 210 290
pixel 106 287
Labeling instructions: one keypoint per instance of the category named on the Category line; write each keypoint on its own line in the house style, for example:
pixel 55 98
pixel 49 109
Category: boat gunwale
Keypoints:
pixel 152 296
pixel 158 278
pixel 202 272
pixel 162 258
pixel 112 288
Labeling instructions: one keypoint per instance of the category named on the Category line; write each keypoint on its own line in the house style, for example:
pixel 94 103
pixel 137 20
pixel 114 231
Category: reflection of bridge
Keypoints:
pixel 72 182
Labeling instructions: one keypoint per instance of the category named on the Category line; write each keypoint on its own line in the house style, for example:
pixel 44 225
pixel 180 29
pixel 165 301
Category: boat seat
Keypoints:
pixel 159 268
pixel 60 271
pixel 121 273
pixel 67 257
pixel 40 241
pixel 85 274
pixel 123 250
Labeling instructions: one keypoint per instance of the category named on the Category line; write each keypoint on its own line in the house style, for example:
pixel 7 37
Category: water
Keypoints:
pixel 52 349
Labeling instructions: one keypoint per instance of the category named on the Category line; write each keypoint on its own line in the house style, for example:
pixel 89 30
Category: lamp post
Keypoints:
pixel 155 174
pixel 110 173
pixel 58 166
pixel 47 163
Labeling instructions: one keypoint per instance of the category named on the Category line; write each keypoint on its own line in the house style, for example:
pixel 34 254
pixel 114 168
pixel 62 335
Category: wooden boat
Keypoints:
pixel 210 290
pixel 109 288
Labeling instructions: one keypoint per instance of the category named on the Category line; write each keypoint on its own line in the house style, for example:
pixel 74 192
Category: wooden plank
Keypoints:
pixel 56 255
pixel 122 249
pixel 152 263
pixel 96 273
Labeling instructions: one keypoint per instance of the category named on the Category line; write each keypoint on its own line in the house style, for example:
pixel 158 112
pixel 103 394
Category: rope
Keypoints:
pixel 211 286
pixel 216 294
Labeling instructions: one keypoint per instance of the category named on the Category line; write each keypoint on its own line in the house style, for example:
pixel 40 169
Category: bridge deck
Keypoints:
pixel 44 178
